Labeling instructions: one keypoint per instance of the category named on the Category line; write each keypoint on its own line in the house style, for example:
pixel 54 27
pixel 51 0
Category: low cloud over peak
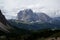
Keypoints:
pixel 13 6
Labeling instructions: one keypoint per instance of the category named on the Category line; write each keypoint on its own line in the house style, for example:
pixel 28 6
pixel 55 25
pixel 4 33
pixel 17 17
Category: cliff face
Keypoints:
pixel 4 25
pixel 29 15
pixel 2 18
pixel 25 15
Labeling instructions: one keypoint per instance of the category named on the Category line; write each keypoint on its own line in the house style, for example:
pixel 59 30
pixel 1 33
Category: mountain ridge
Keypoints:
pixel 29 16
pixel 4 24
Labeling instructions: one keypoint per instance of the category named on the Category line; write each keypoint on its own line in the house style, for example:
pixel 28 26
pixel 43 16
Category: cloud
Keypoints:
pixel 13 6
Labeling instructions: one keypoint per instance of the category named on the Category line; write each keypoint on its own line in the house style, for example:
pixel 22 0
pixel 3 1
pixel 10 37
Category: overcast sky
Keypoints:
pixel 11 7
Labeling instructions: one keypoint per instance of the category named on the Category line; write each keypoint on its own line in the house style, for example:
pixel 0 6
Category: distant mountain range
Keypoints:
pixel 29 26
pixel 27 19
pixel 28 15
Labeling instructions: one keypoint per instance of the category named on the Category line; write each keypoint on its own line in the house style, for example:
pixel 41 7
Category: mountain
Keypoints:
pixel 56 21
pixel 27 19
pixel 4 24
pixel 43 17
pixel 24 31
pixel 57 18
pixel 28 15
pixel 25 15
pixel 34 26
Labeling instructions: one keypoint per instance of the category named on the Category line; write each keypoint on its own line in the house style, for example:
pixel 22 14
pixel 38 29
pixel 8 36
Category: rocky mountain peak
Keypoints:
pixel 29 16
pixel 28 10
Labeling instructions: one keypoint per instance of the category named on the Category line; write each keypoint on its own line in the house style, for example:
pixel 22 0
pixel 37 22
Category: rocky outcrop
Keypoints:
pixel 25 15
pixel 44 17
pixel 29 16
